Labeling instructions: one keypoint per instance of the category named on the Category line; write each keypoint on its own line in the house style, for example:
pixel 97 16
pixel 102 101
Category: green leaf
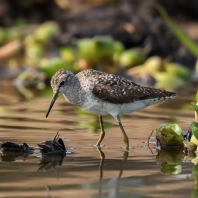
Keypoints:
pixel 195 162
pixel 193 124
pixel 159 128
pixel 195 132
pixel 50 66
pixel 195 169
pixel 195 106
pixel 190 145
pixel 176 128
pixel 67 54
pixel 184 39
pixel 168 136
pixel 194 140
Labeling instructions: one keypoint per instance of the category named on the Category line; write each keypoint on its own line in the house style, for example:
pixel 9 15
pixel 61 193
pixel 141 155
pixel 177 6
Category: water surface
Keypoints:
pixel 84 173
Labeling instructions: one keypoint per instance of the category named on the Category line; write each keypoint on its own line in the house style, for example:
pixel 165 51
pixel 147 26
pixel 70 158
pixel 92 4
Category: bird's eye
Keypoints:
pixel 62 83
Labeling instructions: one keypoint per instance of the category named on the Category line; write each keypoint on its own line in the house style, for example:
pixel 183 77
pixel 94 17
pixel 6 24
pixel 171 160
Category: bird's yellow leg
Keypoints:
pixel 126 139
pixel 102 133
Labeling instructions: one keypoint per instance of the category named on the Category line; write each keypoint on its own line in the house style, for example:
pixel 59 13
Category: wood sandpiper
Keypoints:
pixel 101 93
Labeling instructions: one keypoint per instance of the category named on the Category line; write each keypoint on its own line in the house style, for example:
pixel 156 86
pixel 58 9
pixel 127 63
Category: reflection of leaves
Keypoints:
pixel 10 151
pixel 171 169
pixel 169 157
pixel 45 93
pixel 93 125
pixel 49 162
pixel 170 161
pixel 195 173
pixel 9 156
pixel 83 113
pixel 195 193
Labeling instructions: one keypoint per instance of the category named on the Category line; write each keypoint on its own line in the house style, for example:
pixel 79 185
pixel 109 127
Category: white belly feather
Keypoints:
pixel 99 107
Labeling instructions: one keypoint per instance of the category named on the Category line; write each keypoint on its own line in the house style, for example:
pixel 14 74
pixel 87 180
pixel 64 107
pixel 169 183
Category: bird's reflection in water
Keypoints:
pixel 115 181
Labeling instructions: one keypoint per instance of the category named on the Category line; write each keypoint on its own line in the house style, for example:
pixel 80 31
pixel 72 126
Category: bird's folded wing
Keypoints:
pixel 126 93
pixel 117 94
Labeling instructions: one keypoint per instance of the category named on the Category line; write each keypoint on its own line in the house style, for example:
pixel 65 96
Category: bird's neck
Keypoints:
pixel 72 90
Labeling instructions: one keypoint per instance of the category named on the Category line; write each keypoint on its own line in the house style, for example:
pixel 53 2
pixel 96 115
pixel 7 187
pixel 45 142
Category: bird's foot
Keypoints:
pixel 99 146
pixel 127 148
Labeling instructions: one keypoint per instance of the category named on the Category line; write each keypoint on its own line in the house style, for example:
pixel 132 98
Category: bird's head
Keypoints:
pixel 59 82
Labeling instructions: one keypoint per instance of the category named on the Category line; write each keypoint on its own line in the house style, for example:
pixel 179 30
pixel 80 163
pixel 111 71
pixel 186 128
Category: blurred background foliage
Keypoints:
pixel 154 43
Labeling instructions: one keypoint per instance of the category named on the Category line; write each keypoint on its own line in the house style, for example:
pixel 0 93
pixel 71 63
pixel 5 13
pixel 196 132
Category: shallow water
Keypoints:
pixel 84 173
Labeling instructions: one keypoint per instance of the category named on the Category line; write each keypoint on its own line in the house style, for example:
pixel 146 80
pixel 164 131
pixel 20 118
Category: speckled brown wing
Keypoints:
pixel 123 91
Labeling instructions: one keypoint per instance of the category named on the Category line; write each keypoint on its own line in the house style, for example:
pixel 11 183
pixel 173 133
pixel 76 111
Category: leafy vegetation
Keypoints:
pixel 175 145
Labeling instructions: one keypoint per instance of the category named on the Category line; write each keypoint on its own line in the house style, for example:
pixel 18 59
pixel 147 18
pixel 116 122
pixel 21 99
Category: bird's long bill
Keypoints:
pixel 55 96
